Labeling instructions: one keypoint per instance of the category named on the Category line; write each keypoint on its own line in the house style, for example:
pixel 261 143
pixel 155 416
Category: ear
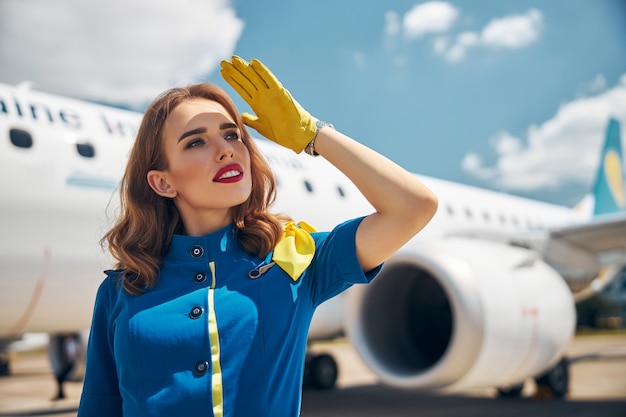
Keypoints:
pixel 159 183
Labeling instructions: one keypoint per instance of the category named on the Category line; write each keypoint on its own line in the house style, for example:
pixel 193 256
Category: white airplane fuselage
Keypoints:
pixel 60 195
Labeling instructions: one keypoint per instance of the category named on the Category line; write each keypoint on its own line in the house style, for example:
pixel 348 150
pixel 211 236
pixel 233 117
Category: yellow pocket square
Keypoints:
pixel 294 252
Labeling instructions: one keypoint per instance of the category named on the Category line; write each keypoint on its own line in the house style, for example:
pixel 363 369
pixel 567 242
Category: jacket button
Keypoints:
pixel 201 368
pixel 197 251
pixel 195 312
pixel 199 278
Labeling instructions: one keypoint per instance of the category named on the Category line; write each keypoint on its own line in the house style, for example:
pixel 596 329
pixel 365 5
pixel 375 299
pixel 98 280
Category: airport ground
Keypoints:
pixel 597 388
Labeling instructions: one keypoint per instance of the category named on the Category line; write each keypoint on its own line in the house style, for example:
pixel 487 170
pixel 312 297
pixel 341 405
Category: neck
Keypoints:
pixel 200 224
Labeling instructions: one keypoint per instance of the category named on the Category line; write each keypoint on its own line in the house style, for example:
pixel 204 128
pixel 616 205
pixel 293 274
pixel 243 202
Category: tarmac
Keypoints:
pixel 597 388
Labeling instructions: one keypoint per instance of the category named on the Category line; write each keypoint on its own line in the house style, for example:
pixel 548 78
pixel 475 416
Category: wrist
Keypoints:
pixel 310 147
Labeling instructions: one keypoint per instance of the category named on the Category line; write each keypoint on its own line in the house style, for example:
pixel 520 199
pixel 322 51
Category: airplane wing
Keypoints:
pixel 589 255
pixel 600 235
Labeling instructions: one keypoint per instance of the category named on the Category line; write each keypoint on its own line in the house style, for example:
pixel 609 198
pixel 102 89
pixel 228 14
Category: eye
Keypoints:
pixel 194 142
pixel 233 135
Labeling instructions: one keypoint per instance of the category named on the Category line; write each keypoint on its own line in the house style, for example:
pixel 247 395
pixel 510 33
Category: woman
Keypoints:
pixel 209 308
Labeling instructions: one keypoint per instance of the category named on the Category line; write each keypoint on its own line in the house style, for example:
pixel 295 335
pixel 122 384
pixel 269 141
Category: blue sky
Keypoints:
pixel 509 94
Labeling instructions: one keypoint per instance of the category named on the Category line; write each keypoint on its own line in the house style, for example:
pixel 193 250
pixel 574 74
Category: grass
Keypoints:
pixel 587 331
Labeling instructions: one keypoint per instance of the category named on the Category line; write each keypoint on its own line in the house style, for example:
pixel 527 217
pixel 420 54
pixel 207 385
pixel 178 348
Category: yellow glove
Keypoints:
pixel 279 117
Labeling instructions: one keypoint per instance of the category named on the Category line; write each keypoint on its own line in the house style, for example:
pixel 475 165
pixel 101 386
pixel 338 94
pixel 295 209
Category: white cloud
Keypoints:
pixel 509 32
pixel 473 164
pixel 457 51
pixel 115 50
pixel 598 84
pixel 430 17
pixel 392 23
pixel 562 150
pixel 505 144
pixel 513 32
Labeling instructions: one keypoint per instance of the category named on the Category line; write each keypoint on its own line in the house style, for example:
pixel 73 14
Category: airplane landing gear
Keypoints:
pixel 554 383
pixel 320 371
pixel 5 365
pixel 513 391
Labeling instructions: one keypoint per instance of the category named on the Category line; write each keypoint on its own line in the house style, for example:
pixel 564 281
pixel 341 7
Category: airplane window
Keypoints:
pixel 340 191
pixel 450 210
pixel 486 216
pixel 21 138
pixel 308 186
pixel 86 149
pixel 502 219
pixel 468 213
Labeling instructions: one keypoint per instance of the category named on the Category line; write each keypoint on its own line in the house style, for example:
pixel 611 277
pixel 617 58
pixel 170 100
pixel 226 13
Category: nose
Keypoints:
pixel 225 151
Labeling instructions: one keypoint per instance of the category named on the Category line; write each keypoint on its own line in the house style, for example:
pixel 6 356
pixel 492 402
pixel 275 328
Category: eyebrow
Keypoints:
pixel 199 130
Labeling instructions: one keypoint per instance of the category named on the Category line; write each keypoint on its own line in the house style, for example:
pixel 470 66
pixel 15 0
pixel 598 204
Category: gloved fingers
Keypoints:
pixel 239 62
pixel 268 78
pixel 249 72
pixel 246 76
pixel 251 121
pixel 239 71
pixel 236 83
pixel 238 79
pixel 248 116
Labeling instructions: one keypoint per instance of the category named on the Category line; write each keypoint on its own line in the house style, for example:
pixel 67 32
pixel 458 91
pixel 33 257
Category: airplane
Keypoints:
pixel 484 296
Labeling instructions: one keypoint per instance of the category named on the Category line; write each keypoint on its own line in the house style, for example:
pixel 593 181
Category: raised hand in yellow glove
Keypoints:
pixel 279 117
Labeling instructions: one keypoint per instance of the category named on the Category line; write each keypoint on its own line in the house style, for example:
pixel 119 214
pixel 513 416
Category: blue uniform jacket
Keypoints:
pixel 208 340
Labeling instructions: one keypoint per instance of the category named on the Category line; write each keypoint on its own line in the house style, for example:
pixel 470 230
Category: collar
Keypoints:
pixel 206 247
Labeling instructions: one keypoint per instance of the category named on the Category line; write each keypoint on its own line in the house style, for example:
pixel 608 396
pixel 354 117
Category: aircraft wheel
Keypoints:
pixel 320 372
pixel 554 383
pixel 513 391
pixel 5 365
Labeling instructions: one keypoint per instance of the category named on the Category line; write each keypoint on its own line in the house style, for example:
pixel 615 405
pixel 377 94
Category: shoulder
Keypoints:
pixel 113 278
pixel 110 287
pixel 343 234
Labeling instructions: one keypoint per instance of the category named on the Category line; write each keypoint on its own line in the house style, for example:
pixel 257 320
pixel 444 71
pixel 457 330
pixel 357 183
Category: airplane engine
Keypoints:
pixel 464 314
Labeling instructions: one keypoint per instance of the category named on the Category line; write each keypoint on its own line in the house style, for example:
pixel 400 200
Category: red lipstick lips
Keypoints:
pixel 229 173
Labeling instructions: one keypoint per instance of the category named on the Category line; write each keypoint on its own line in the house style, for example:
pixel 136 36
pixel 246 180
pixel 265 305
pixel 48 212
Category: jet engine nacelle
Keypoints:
pixel 461 313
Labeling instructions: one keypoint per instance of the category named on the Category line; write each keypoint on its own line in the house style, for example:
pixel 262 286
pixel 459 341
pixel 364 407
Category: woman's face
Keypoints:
pixel 208 164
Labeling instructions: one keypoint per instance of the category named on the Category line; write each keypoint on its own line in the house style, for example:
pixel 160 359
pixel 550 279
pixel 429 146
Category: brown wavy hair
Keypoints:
pixel 143 231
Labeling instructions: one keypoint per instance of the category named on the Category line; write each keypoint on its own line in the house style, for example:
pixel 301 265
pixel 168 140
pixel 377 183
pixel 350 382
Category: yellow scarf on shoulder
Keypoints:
pixel 294 252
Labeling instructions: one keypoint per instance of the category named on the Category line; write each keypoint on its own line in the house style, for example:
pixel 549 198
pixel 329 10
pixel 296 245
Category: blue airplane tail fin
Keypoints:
pixel 608 189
